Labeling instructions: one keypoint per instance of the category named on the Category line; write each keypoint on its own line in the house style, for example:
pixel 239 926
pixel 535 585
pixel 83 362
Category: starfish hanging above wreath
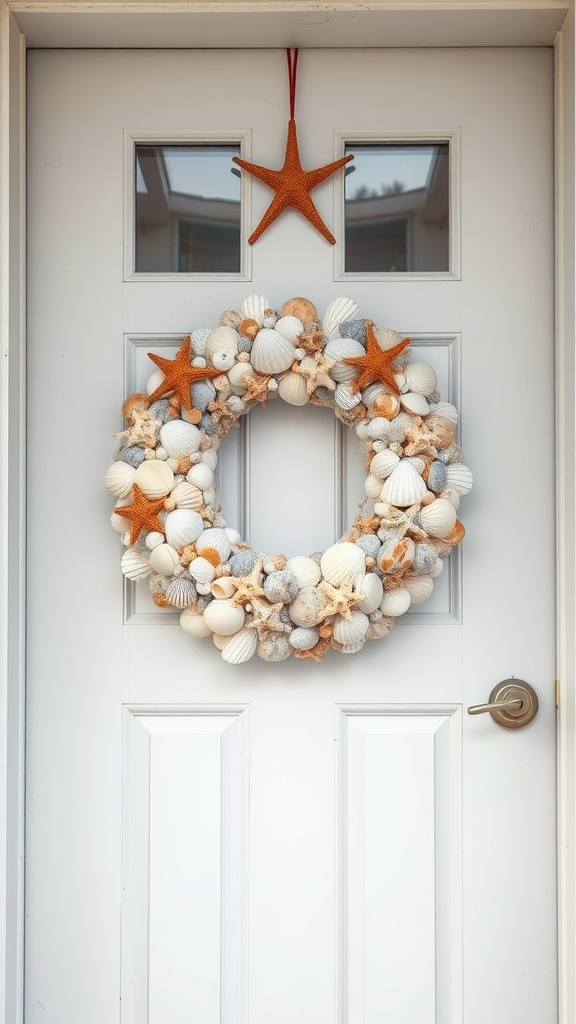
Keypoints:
pixel 292 184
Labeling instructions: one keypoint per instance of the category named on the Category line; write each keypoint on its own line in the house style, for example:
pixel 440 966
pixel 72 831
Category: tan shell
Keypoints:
pixel 180 438
pixel 186 495
pixel 404 486
pixel 240 647
pixel 442 428
pixel 154 478
pixel 237 375
pixel 387 406
pixel 271 352
pixel 438 518
pixel 396 556
pixel 343 563
pixel 224 617
pixel 194 623
pixel 308 608
pixel 292 389
pixel 119 479
pixel 301 308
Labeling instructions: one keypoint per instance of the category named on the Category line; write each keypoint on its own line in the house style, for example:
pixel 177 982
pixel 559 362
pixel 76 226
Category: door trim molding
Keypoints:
pixel 32 22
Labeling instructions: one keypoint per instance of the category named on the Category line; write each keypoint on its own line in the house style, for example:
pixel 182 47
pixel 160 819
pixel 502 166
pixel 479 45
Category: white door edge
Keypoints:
pixel 37 20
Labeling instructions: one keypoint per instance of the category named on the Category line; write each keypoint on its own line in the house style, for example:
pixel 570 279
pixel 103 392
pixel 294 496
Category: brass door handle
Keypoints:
pixel 513 703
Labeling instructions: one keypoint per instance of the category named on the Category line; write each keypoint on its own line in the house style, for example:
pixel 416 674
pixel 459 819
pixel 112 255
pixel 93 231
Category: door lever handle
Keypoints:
pixel 512 704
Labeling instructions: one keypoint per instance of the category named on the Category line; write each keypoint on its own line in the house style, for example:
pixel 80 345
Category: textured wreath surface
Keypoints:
pixel 167 508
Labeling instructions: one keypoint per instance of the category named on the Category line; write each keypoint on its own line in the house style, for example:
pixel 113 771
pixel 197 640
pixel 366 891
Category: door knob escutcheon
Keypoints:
pixel 513 703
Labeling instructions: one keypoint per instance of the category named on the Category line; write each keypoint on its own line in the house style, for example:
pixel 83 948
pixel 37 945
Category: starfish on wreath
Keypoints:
pixel 248 587
pixel 316 372
pixel 143 430
pixel 340 599
pixel 257 389
pixel 266 618
pixel 377 363
pixel 142 513
pixel 179 374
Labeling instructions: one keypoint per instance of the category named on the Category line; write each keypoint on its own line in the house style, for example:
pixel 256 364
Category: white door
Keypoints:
pixel 272 843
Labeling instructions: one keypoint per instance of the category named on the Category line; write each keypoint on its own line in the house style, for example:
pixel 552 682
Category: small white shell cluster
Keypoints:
pixel 251 603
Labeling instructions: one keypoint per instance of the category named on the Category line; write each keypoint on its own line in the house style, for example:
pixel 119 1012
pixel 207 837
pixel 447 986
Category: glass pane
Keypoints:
pixel 187 210
pixel 397 216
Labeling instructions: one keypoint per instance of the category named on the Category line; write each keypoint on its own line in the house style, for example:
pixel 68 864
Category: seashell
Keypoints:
pixel 396 556
pixel 456 534
pixel 453 453
pixel 369 543
pixel 203 571
pixel 343 563
pixel 164 559
pixel 292 389
pixel 404 486
pixel 301 308
pixel 182 526
pixel 193 623
pixel 181 592
pixel 154 478
pixel 373 486
pixel 209 458
pixel 420 588
pixel 202 391
pixel 424 558
pixel 198 340
pixel 386 337
pixel 355 329
pixel 237 375
pixel 233 535
pixel 448 411
pixel 376 630
pixel 303 639
pixel 274 647
pixel 353 648
pixel 154 381
pixel 308 607
pixel 271 352
pixel 135 564
pixel 337 351
pixel 452 496
pixel 361 429
pixel 230 318
pixel 119 479
pixel 253 308
pixel 216 539
pixel 133 455
pixel 224 617
pixel 436 476
pixel 383 464
pixel 399 425
pixel 290 327
pixel 459 478
pixel 186 495
pixel 395 602
pixel 223 587
pixel 438 518
pixel 180 438
pixel 337 313
pixel 421 378
pixel 281 585
pixel 345 398
pixel 414 403
pixel 442 429
pixel 219 641
pixel 437 568
pixel 350 631
pixel 242 563
pixel 222 348
pixel 378 428
pixel 240 647
pixel 306 570
pixel 371 587
pixel 387 406
pixel 201 476
pixel 153 539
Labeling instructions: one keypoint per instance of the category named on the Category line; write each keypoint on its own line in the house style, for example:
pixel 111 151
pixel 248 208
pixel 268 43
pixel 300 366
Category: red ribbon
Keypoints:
pixel 292 58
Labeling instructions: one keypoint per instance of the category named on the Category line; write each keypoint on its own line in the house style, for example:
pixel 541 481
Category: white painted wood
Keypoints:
pixel 291 797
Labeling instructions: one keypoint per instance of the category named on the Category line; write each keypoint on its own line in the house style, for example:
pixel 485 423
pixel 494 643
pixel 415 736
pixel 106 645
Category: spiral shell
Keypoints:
pixel 222 587
pixel 404 486
pixel 119 479
pixel 180 438
pixel 338 311
pixel 224 617
pixel 343 563
pixel 271 352
pixel 154 478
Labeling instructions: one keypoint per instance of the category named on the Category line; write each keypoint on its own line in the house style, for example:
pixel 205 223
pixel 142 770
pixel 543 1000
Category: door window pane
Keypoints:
pixel 187 209
pixel 397 216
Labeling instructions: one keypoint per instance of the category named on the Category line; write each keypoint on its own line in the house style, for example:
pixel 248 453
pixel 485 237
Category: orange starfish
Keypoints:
pixel 292 186
pixel 142 513
pixel 377 363
pixel 179 374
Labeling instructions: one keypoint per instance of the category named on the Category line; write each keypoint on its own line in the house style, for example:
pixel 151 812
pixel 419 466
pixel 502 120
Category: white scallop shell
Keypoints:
pixel 119 479
pixel 236 376
pixel 378 428
pixel 201 476
pixel 180 438
pixel 202 571
pixel 371 587
pixel 215 538
pixel 222 587
pixel 153 539
pixel 181 593
pixel 383 464
pixel 337 313
pixel 340 349
pixel 194 624
pixel 459 477
pixel 354 648
pixel 222 347
pixel 186 495
pixel 304 638
pixel 345 398
pixel 343 563
pixel 414 403
pixel 404 486
pixel 271 352
pixel 373 486
pixel 438 518
pixel 290 327
pixel 307 571
pixel 448 411
pixel 224 617
pixel 419 588
pixel 421 378
pixel 154 478
pixel 182 526
pixel 135 564
pixel 350 631
pixel 292 389
pixel 164 559
pixel 209 458
pixel 253 308
pixel 240 647
pixel 395 602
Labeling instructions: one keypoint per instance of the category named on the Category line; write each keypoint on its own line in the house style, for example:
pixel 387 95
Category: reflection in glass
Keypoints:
pixel 187 210
pixel 397 208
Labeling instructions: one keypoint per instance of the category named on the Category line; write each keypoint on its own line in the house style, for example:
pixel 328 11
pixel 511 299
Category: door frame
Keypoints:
pixel 141 23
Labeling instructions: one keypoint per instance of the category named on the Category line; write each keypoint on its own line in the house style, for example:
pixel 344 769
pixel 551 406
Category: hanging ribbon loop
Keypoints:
pixel 292 58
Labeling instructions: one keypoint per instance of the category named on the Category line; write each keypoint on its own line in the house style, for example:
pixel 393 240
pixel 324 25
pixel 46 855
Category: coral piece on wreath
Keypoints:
pixel 167 507
pixel 291 184
pixel 179 374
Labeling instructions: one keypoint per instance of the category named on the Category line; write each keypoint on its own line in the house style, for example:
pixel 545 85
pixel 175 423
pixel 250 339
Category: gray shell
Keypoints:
pixel 133 455
pixel 243 562
pixel 281 586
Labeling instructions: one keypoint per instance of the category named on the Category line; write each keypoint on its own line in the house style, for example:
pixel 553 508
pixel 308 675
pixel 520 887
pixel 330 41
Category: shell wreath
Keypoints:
pixel 167 508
